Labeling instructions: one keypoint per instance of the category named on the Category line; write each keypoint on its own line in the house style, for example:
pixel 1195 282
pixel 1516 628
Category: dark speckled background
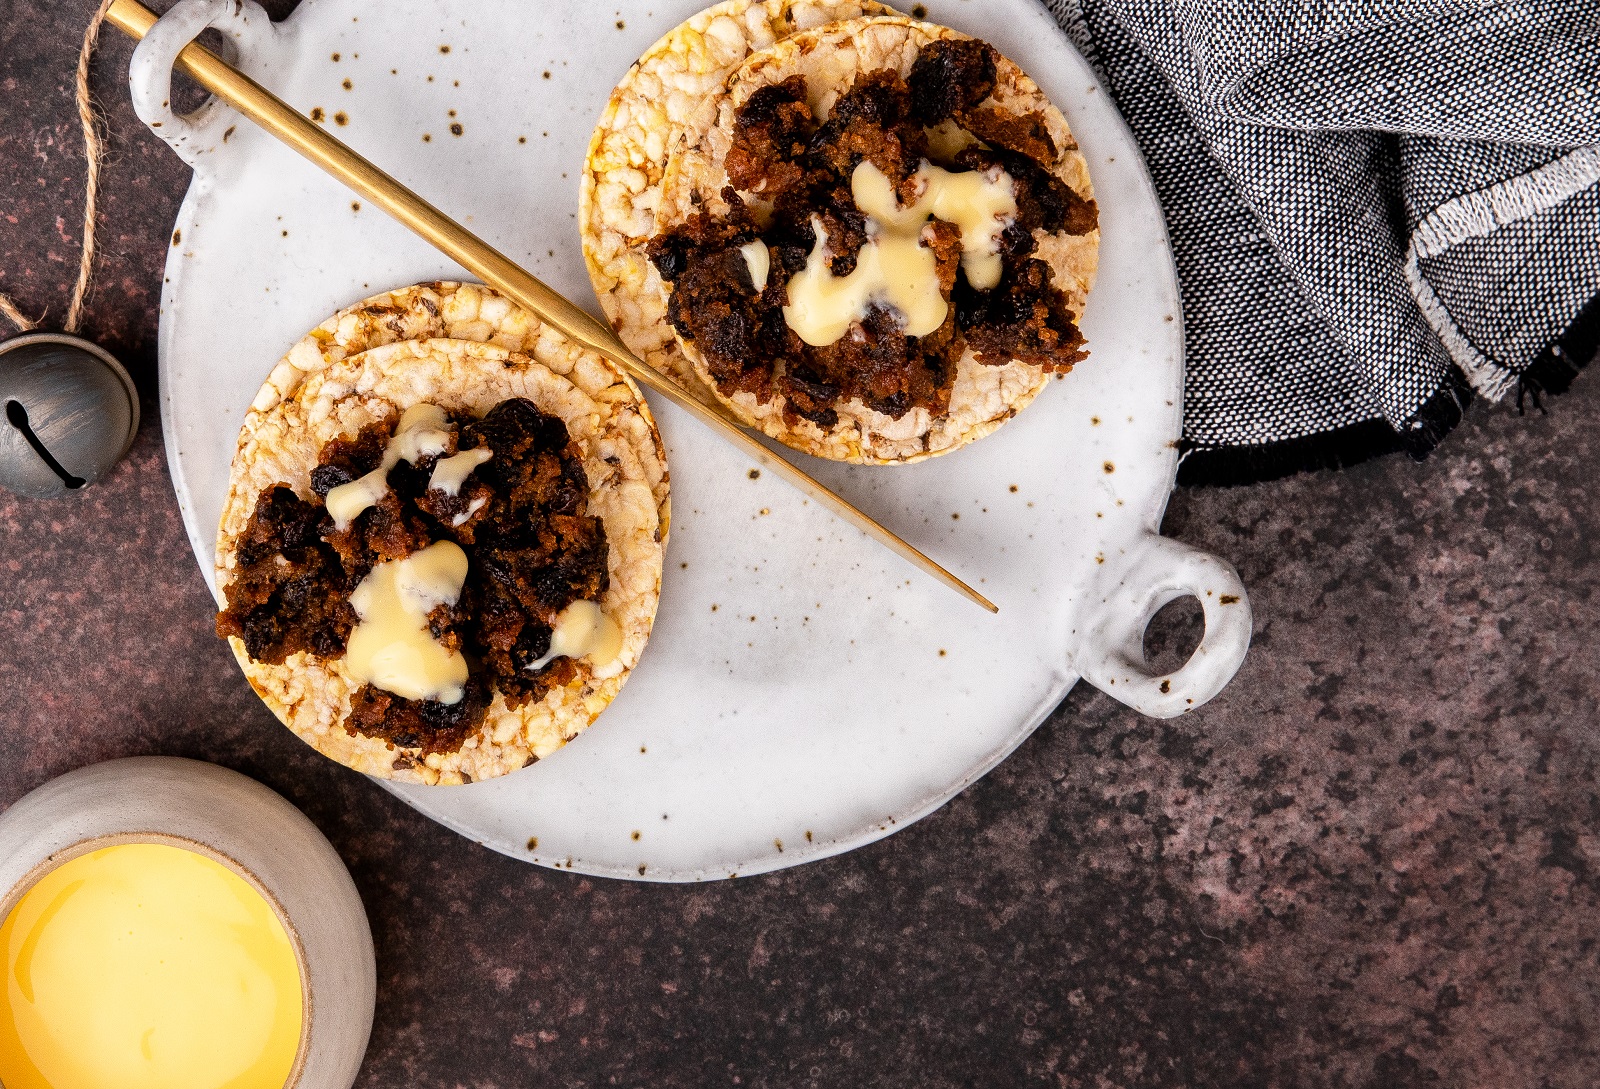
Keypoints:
pixel 1374 860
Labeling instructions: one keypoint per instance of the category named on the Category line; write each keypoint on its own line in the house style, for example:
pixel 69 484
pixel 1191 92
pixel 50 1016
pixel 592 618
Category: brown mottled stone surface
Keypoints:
pixel 1374 860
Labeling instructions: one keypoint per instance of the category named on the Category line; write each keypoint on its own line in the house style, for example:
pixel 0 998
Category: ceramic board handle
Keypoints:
pixel 246 29
pixel 1159 570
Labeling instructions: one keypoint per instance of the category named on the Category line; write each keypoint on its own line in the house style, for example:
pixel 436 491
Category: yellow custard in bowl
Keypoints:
pixel 147 966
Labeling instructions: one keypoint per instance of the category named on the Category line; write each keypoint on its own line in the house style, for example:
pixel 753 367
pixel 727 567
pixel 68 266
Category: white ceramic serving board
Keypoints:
pixel 804 691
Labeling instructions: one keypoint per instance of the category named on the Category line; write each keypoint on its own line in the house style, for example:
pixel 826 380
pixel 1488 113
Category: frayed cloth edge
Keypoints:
pixel 1478 215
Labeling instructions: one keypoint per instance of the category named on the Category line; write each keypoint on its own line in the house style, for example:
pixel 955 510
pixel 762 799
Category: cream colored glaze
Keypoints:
pixel 348 500
pixel 472 508
pixel 947 139
pixel 452 472
pixel 391 648
pixel 981 203
pixel 894 268
pixel 758 259
pixel 582 631
pixel 420 433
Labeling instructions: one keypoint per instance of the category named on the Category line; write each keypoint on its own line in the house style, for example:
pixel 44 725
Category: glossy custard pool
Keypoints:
pixel 147 966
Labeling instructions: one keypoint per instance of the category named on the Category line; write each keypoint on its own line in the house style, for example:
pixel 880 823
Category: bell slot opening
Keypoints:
pixel 17 416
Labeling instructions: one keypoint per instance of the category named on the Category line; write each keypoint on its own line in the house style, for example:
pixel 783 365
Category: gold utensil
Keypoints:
pixel 495 269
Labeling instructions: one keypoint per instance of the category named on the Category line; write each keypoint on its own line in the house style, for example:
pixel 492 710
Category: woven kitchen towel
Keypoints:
pixel 1377 209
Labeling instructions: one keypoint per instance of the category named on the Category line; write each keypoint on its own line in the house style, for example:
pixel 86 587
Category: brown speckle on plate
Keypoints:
pixel 341 118
pixel 533 843
pixel 336 58
pixel 444 49
pixel 317 114
pixel 177 238
pixel 1110 468
pixel 347 85
pixel 455 128
pixel 635 834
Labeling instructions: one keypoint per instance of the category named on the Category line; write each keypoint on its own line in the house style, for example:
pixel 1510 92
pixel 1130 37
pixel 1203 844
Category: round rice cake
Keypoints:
pixel 983 396
pixel 667 103
pixel 296 414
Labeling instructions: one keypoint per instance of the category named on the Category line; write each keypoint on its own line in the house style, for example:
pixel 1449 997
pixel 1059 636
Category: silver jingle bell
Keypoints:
pixel 70 413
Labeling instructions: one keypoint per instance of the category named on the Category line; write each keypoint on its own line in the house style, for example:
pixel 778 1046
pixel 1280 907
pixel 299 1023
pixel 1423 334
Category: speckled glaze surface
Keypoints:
pixel 803 692
pixel 1370 863
pixel 240 823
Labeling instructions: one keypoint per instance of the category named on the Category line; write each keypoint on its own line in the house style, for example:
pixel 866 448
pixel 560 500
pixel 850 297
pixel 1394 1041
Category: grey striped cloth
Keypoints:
pixel 1378 210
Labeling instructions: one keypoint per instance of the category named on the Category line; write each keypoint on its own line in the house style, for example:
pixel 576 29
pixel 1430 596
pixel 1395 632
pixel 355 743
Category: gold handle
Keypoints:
pixel 495 268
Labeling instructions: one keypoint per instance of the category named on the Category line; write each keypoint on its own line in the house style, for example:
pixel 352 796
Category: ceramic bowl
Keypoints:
pixel 246 827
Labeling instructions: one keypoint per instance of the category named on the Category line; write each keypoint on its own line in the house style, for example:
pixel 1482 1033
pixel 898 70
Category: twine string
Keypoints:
pixel 93 151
